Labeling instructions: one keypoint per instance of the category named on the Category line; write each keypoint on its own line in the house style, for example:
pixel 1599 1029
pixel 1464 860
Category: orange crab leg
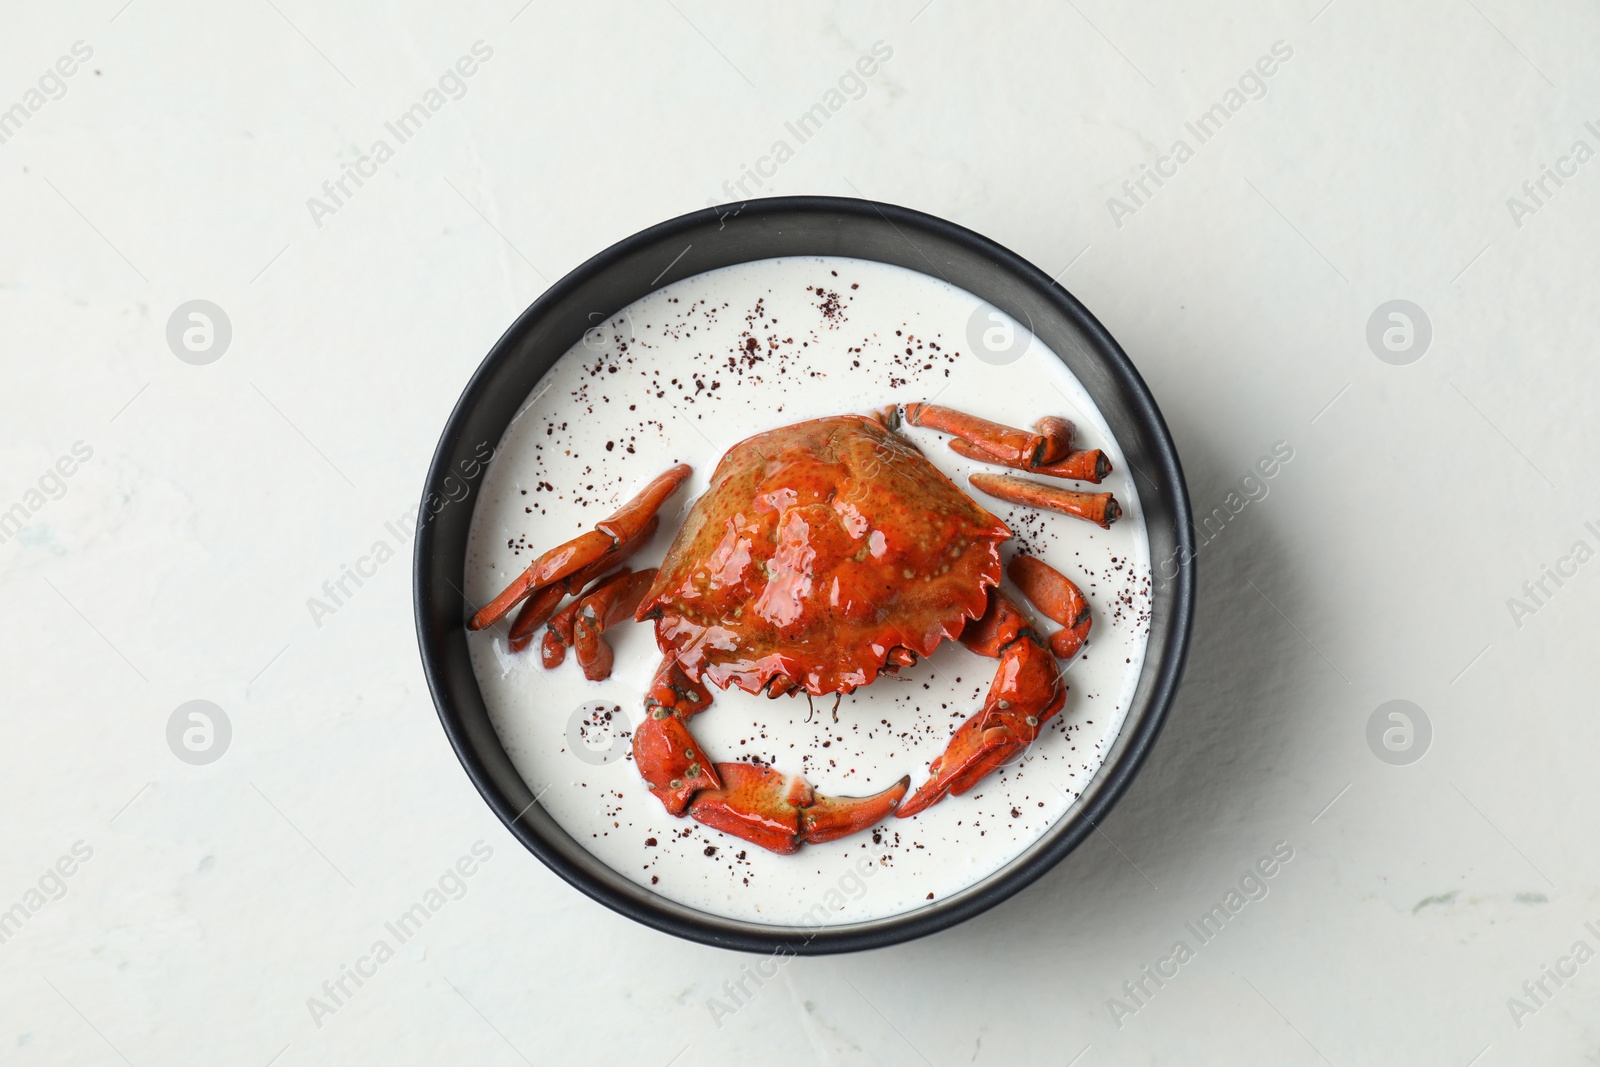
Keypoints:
pixel 568 559
pixel 1099 508
pixel 1003 444
pixel 1026 692
pixel 628 520
pixel 538 608
pixel 534 613
pixel 562 633
pixel 1048 450
pixel 1082 466
pixel 559 636
pixel 1057 598
pixel 1089 465
pixel 760 805
pixel 830 818
pixel 668 757
pixel 560 562
pixel 611 601
pixel 781 812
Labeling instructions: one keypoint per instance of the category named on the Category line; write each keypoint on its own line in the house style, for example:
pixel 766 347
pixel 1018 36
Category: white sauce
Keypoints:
pixel 670 380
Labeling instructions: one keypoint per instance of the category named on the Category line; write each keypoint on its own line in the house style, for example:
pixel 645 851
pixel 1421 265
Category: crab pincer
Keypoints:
pixel 611 602
pixel 542 605
pixel 558 636
pixel 781 811
pixel 1057 598
pixel 580 624
pixel 1025 693
pixel 605 542
pixel 534 613
pixel 667 755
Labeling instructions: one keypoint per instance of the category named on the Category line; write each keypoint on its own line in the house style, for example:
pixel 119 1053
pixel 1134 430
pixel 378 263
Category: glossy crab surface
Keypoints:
pixel 819 551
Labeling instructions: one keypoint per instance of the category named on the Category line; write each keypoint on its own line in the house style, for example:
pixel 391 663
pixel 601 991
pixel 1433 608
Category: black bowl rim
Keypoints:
pixel 1111 781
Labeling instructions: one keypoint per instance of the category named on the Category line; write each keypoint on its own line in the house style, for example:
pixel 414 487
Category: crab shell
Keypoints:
pixel 816 552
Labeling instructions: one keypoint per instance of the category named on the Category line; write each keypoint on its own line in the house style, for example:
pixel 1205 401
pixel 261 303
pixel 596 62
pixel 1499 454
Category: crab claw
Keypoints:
pixel 534 613
pixel 670 760
pixel 973 752
pixel 830 818
pixel 541 606
pixel 610 539
pixel 780 812
pixel 560 562
pixel 1027 691
pixel 608 603
pixel 1058 599
pixel 558 638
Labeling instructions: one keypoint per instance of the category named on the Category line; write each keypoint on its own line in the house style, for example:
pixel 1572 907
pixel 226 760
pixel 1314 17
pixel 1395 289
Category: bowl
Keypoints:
pixel 718 237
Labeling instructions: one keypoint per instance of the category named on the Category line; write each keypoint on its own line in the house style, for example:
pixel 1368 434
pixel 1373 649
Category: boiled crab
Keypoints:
pixel 822 555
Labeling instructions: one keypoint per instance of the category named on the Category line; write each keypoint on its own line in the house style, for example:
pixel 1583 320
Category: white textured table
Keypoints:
pixel 197 510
